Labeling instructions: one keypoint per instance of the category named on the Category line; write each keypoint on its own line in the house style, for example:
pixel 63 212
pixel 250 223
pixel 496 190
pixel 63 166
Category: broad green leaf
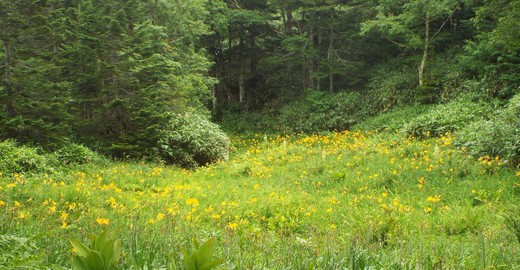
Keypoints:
pixel 79 247
pixel 94 260
pixel 206 251
pixel 79 264
pixel 210 265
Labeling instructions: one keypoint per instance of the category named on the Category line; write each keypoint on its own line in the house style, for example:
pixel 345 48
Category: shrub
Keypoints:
pixel 190 140
pixel 312 112
pixel 19 159
pixel 76 154
pixel 499 136
pixel 447 118
pixel 393 119
pixel 319 111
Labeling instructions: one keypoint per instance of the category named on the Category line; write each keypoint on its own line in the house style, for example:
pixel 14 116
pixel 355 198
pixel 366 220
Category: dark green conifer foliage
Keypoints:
pixel 34 99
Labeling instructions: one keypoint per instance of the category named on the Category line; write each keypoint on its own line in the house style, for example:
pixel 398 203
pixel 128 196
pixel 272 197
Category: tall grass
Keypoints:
pixel 337 200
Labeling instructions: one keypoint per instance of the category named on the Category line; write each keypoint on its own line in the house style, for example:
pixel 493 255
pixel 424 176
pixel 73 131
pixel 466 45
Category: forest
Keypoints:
pixel 282 134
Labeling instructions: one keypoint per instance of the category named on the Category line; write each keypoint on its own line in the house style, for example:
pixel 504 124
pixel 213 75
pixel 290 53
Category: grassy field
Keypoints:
pixel 349 200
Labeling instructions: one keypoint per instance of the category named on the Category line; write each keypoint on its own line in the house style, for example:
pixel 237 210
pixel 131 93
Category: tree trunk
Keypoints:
pixel 424 60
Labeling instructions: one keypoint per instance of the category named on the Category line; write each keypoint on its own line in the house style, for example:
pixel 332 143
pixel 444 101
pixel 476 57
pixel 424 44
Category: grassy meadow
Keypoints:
pixel 339 200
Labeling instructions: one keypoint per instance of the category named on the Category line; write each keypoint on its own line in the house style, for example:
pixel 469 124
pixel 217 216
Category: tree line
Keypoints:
pixel 109 74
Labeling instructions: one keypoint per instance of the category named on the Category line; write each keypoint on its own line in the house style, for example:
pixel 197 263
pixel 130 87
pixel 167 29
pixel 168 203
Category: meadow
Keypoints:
pixel 338 200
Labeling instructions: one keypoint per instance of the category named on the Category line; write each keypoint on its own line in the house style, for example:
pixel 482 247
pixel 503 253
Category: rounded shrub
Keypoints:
pixel 16 158
pixel 190 140
pixel 76 154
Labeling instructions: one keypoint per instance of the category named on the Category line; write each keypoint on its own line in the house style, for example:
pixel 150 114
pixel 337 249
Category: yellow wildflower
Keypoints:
pixel 434 199
pixel 192 201
pixel 102 221
pixel 421 182
pixel 232 225
pixel 2 203
pixel 22 215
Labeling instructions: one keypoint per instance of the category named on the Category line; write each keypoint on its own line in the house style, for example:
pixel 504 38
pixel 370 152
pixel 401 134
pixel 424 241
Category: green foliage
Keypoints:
pixel 393 119
pixel 21 159
pixel 497 136
pixel 76 154
pixel 313 112
pixel 190 140
pixel 103 253
pixel 201 258
pixel 391 84
pixel 19 253
pixel 493 55
pixel 319 111
pixel 447 118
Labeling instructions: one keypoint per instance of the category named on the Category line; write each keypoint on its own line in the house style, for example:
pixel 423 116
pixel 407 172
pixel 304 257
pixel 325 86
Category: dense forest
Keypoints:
pixel 143 79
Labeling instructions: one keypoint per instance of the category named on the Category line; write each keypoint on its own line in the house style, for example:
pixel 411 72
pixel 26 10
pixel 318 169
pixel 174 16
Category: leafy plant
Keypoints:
pixel 393 119
pixel 76 154
pixel 200 259
pixel 102 254
pixel 190 140
pixel 498 136
pixel 18 159
pixel 447 118
pixel 19 253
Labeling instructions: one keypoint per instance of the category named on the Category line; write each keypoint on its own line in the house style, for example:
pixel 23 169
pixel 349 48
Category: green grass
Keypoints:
pixel 341 200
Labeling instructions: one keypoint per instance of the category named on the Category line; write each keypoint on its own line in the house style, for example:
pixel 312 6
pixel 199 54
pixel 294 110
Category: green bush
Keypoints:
pixel 499 136
pixel 393 119
pixel 447 118
pixel 312 112
pixel 319 111
pixel 19 159
pixel 392 84
pixel 190 140
pixel 76 154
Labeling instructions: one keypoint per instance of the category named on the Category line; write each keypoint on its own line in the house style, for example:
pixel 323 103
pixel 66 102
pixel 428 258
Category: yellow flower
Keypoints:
pixel 232 225
pixel 421 182
pixel 52 209
pixel 334 200
pixel 160 216
pixel 192 201
pixel 64 216
pixel 22 215
pixel 518 173
pixel 63 225
pixel 2 203
pixel 102 221
pixel 332 226
pixel 396 202
pixel 428 210
pixel 434 199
